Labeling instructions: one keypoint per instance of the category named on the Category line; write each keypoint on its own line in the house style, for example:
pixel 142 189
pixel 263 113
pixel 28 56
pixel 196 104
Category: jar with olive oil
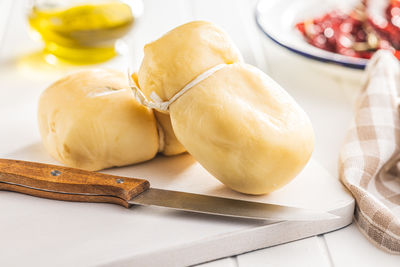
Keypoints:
pixel 81 31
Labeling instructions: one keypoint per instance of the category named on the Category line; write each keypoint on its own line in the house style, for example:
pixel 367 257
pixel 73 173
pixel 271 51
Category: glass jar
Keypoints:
pixel 83 31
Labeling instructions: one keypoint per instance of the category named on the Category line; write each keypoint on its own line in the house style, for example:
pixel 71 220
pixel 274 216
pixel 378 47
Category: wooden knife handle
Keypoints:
pixel 63 183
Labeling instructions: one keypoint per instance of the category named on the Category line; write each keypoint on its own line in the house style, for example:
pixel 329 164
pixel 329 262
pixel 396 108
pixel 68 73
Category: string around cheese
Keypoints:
pixel 157 103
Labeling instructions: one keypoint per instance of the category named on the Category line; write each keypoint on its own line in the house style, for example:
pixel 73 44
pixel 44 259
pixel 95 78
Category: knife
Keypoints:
pixel 69 184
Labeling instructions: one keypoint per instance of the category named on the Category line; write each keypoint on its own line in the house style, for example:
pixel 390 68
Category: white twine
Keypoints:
pixel 160 130
pixel 157 102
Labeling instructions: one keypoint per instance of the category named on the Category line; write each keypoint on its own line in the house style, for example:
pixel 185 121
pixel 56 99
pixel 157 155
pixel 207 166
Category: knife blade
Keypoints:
pixel 64 183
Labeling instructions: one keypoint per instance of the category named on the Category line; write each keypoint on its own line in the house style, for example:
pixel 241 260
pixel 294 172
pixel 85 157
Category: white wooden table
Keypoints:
pixel 325 96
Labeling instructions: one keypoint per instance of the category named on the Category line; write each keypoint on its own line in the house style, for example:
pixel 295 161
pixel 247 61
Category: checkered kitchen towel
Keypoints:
pixel 371 142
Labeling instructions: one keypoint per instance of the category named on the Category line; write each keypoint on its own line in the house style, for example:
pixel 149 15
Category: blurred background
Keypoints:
pixel 81 32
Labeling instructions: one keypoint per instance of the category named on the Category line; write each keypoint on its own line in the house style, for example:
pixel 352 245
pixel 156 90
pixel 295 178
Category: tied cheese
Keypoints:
pixel 238 123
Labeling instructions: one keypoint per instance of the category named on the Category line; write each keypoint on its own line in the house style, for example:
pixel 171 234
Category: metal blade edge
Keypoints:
pixel 227 206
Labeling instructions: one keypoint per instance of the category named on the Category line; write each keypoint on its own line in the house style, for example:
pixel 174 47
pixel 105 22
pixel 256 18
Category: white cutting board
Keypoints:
pixel 48 232
pixel 42 232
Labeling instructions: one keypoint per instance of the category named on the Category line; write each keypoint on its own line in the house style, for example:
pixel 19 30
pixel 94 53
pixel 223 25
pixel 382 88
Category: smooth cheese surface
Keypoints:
pixel 90 120
pixel 244 129
pixel 181 55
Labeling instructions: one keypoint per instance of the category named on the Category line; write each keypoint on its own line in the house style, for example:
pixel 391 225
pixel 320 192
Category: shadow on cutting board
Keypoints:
pixel 162 167
pixel 32 152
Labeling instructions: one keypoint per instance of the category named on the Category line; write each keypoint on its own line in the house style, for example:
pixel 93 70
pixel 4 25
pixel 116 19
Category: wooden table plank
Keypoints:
pixel 5 11
pixel 226 262
pixel 349 247
pixel 305 252
pixel 246 16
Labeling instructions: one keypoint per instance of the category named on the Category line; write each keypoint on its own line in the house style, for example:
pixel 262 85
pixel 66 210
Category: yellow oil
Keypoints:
pixel 83 33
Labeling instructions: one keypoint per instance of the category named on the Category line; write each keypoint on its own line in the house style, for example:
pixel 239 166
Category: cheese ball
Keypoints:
pixel 198 42
pixel 238 123
pixel 246 131
pixel 90 120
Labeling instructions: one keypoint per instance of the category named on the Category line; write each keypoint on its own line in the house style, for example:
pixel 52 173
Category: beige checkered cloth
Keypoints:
pixel 367 160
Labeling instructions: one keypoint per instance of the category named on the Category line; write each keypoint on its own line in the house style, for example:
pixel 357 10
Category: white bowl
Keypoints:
pixel 277 20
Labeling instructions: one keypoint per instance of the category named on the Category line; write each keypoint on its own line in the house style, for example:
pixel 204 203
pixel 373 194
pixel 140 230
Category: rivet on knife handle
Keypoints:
pixel 63 183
